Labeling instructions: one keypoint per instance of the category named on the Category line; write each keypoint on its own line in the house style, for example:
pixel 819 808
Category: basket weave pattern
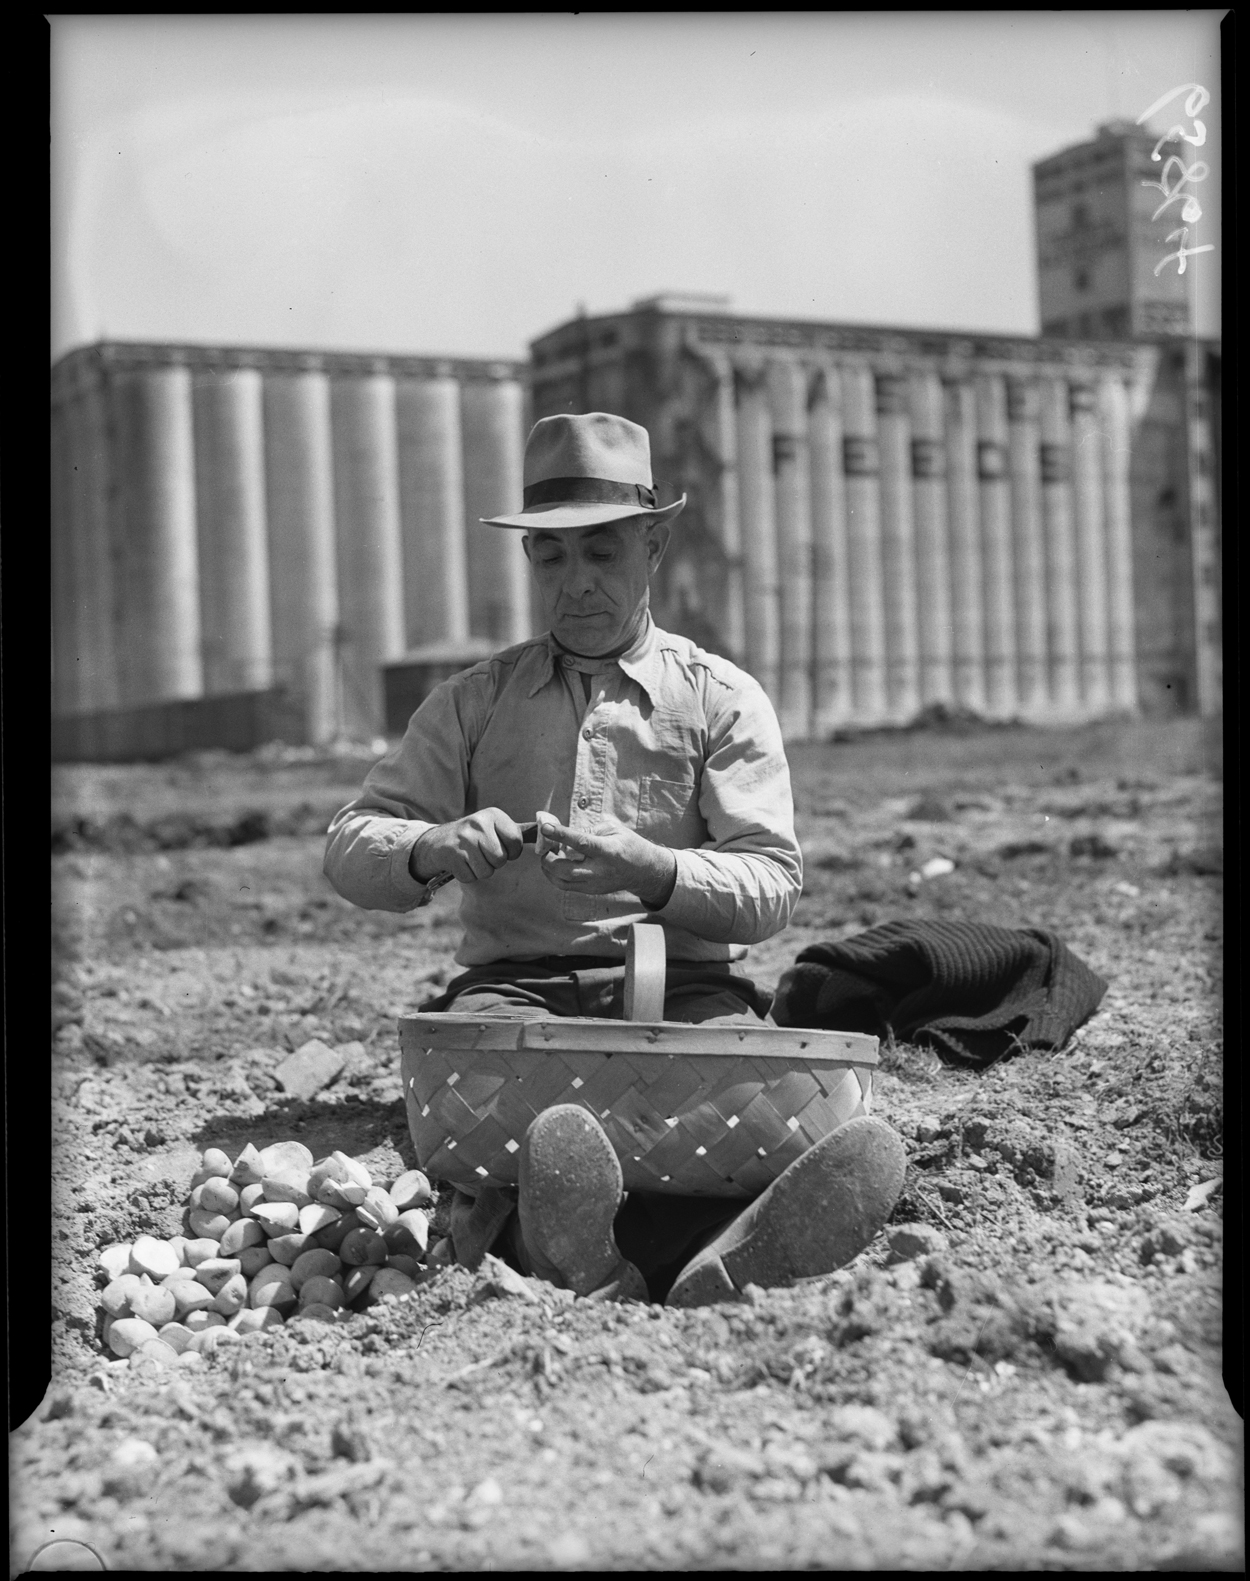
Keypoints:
pixel 698 1124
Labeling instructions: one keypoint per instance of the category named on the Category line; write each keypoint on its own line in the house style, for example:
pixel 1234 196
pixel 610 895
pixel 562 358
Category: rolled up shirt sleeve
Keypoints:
pixel 417 786
pixel 742 884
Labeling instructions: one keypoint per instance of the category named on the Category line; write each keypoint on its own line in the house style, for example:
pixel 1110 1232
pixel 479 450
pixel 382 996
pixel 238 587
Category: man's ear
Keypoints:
pixel 525 544
pixel 658 536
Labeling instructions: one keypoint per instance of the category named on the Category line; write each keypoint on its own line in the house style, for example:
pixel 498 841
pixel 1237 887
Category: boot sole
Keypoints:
pixel 570 1189
pixel 815 1218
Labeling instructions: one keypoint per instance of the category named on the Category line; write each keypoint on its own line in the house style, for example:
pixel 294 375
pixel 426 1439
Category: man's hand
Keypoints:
pixel 612 857
pixel 468 848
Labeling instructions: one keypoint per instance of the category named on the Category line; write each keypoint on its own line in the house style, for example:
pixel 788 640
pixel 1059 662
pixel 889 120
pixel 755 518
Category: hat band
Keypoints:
pixel 587 491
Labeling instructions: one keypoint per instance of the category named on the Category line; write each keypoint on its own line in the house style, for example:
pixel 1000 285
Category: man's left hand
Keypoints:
pixel 612 858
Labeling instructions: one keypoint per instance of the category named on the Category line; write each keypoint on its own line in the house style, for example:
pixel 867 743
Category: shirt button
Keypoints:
pixel 583 801
pixel 586 734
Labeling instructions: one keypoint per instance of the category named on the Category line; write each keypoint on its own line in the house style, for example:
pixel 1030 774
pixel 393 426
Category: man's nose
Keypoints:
pixel 579 579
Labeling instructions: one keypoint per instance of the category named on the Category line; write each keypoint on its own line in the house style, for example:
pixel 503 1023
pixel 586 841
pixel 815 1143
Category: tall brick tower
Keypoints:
pixel 1097 245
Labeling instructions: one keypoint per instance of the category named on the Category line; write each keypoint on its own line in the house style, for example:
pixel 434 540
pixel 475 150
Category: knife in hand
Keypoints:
pixel 529 836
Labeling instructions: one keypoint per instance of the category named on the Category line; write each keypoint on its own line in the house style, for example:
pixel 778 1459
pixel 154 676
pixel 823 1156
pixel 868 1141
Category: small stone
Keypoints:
pixel 411 1190
pixel 155 1306
pixel 363 1246
pixel 311 1263
pixel 115 1260
pixel 313 1066
pixel 497 1279
pixel 256 1469
pixel 116 1296
pixel 1096 1325
pixel 215 1160
pixel 249 1196
pixel 929 808
pixel 568 1551
pixel 320 1291
pixel 442 1254
pixel 207 1226
pixel 727 1469
pixel 127 1334
pixel 129 1468
pixel 907 1241
pixel 405 1265
pixel 937 867
pixel 276 1218
pixel 190 1359
pixel 199 1251
pixel 927 1128
pixel 214 1273
pixel 487 1492
pixel 152 1257
pixel 863 1424
pixel 284 1156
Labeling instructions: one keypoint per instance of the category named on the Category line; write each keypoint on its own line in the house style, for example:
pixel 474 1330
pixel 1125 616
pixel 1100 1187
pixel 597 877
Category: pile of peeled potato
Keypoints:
pixel 272 1236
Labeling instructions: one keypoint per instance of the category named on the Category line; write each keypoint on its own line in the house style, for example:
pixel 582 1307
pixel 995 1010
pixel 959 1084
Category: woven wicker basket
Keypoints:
pixel 703 1111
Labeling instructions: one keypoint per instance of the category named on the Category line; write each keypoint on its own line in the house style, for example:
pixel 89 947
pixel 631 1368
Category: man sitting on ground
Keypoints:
pixel 665 768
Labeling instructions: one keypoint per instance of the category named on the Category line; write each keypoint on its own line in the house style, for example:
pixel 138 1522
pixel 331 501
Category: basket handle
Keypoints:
pixel 646 961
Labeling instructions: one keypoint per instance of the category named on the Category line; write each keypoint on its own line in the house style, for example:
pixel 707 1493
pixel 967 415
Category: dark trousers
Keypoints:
pixel 657 1232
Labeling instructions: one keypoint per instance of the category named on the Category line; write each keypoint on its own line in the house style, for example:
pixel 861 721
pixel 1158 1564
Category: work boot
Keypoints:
pixel 476 1222
pixel 570 1190
pixel 816 1216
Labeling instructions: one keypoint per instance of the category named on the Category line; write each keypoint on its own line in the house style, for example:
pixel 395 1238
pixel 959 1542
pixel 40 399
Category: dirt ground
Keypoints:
pixel 1038 1387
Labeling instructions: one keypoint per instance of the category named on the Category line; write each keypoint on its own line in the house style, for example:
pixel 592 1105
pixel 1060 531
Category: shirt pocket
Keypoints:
pixel 668 813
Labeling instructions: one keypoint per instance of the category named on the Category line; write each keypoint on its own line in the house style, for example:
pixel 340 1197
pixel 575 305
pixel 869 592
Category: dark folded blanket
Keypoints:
pixel 974 991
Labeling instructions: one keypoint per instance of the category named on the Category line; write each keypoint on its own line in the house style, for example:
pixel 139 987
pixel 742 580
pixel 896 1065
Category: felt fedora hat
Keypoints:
pixel 583 469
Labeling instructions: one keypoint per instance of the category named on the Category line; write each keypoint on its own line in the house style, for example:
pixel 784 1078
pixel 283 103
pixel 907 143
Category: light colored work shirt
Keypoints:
pixel 673 742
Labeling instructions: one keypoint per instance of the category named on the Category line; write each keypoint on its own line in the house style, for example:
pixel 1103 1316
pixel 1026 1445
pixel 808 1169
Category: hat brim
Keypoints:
pixel 557 517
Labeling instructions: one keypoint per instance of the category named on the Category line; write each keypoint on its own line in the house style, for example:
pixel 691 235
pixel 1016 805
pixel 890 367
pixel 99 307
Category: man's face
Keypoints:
pixel 593 581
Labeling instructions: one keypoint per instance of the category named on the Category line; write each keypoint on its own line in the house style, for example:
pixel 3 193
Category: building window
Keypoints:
pixel 1080 280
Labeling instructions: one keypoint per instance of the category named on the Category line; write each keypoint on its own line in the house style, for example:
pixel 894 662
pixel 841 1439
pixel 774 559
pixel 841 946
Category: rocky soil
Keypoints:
pixel 1025 1372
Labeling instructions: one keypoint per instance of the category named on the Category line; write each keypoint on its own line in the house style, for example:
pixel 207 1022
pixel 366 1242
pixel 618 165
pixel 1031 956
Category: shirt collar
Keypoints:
pixel 641 662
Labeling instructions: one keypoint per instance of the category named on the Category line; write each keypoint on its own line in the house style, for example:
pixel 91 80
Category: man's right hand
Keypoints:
pixel 469 848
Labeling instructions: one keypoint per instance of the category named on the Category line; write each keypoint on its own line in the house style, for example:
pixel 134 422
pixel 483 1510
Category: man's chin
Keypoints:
pixel 589 636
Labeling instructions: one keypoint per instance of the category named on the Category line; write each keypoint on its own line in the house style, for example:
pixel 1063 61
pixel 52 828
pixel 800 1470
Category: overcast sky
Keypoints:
pixel 460 184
